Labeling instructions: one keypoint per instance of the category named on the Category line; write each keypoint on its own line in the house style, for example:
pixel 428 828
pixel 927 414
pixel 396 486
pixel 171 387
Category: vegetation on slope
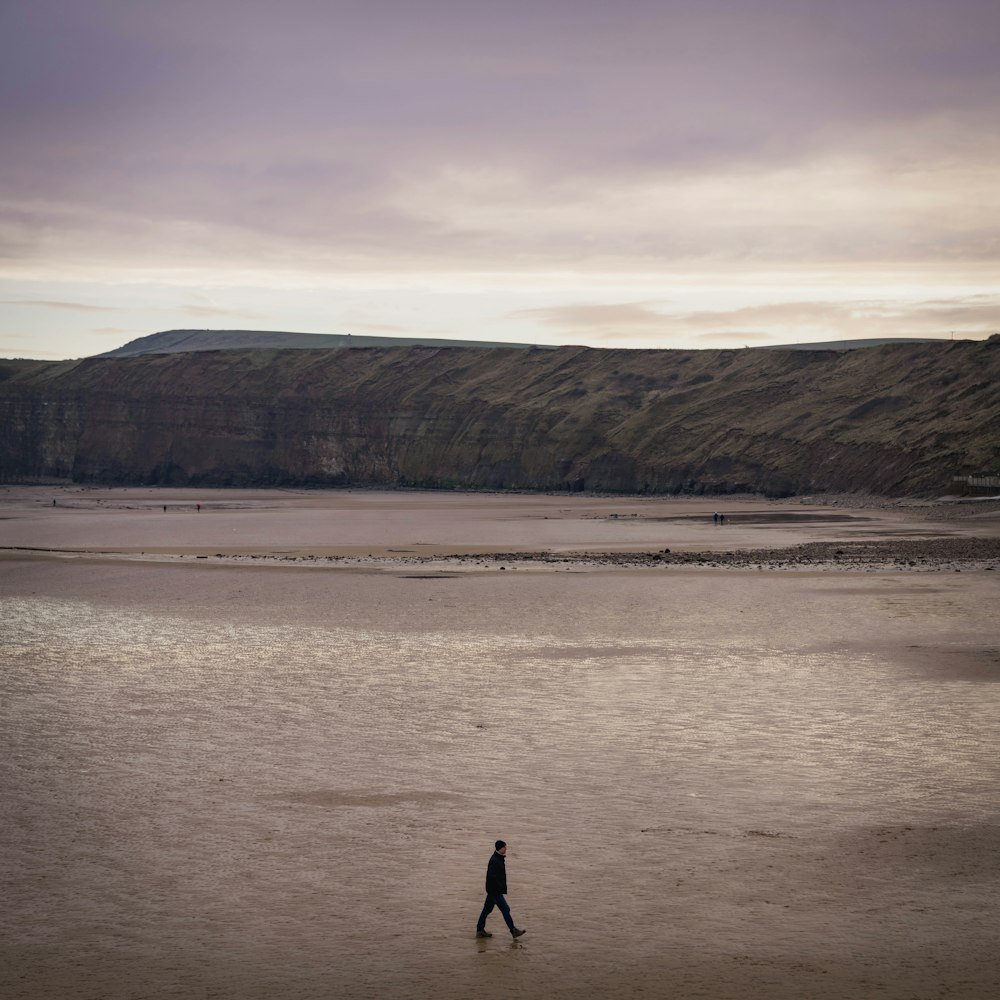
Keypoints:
pixel 896 419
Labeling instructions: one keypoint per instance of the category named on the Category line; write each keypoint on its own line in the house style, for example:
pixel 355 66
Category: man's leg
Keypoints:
pixel 505 910
pixel 487 910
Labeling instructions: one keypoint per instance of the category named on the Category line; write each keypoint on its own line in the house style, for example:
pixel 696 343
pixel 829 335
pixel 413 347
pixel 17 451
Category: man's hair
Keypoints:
pixel 500 843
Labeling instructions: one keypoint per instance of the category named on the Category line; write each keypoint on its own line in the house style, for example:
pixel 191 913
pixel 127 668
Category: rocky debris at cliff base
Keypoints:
pixel 936 554
pixel 931 554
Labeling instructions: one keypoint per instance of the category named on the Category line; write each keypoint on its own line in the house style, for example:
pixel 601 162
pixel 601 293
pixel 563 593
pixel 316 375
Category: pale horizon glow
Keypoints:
pixel 668 174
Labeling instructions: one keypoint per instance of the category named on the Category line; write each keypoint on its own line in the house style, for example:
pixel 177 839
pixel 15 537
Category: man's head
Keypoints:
pixel 501 847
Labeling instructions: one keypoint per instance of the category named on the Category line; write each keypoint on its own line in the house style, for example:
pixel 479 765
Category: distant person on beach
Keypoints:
pixel 496 887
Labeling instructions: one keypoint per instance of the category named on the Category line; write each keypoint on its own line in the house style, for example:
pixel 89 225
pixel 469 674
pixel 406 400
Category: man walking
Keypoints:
pixel 496 886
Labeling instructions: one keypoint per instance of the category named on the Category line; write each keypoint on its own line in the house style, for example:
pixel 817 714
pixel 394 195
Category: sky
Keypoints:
pixel 641 174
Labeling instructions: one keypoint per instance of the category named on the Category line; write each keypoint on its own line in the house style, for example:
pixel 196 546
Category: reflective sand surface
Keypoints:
pixel 268 782
pixel 424 523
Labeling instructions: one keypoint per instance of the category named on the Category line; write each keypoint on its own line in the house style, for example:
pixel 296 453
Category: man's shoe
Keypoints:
pixel 485 934
pixel 517 933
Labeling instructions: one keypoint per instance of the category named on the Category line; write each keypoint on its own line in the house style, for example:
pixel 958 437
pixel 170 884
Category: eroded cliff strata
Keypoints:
pixel 892 420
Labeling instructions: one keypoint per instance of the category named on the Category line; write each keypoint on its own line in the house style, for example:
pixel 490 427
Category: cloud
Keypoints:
pixel 736 335
pixel 260 148
pixel 382 135
pixel 210 312
pixel 973 316
pixel 55 304
pixel 13 346
pixel 393 329
pixel 190 310
pixel 835 208
pixel 652 81
pixel 630 316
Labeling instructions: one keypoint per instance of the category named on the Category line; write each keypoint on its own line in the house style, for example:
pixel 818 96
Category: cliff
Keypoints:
pixel 898 419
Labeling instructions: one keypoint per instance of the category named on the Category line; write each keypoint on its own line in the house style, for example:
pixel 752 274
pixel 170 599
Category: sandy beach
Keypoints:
pixel 262 749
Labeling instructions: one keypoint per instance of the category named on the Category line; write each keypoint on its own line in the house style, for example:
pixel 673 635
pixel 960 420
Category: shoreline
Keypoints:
pixel 462 532
pixel 903 555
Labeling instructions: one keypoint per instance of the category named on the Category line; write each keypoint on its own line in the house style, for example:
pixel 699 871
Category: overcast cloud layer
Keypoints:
pixel 642 174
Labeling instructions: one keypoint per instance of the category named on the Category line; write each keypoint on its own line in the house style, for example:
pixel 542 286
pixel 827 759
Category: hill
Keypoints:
pixel 894 420
pixel 174 341
pixel 848 345
pixel 185 341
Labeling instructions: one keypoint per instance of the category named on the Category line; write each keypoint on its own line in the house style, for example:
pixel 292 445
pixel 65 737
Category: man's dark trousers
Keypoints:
pixel 494 899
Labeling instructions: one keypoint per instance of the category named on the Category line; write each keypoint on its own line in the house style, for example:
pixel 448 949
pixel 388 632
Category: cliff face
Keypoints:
pixel 891 420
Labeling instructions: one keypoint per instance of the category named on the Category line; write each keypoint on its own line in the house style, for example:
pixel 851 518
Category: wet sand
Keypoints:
pixel 382 528
pixel 281 777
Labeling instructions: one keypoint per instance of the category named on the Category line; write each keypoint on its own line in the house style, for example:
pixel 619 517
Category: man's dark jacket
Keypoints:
pixel 496 875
